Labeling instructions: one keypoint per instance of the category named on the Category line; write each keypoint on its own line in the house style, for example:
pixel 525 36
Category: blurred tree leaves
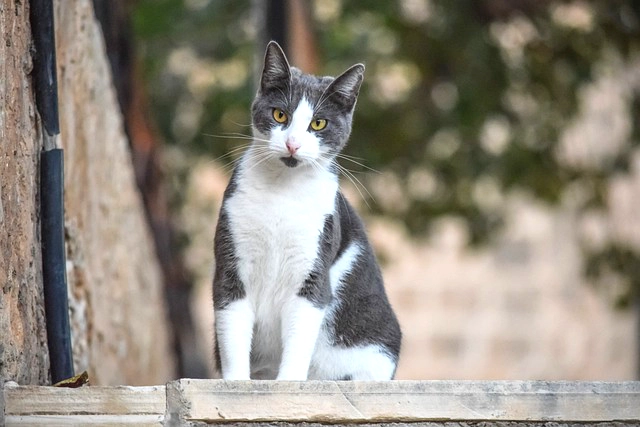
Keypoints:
pixel 463 100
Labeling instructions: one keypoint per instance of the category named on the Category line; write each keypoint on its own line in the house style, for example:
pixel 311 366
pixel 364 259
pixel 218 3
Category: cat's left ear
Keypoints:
pixel 276 72
pixel 345 88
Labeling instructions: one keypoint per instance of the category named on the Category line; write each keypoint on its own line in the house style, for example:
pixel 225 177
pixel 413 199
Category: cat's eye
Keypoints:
pixel 318 124
pixel 279 115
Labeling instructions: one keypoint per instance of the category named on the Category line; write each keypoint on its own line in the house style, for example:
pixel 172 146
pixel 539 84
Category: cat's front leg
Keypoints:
pixel 234 332
pixel 301 322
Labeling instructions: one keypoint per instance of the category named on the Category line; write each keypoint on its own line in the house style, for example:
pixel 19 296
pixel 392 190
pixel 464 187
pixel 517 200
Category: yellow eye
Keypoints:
pixel 318 124
pixel 279 115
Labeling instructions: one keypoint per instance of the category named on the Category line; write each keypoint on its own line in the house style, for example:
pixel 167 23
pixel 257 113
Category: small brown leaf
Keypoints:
pixel 74 382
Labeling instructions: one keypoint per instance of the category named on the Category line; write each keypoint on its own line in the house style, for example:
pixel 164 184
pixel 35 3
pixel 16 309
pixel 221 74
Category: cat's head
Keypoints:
pixel 298 118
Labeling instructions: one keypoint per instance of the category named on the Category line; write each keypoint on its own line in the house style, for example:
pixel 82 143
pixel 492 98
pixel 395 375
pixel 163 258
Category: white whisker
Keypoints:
pixel 235 135
pixel 261 157
pixel 351 159
pixel 239 124
pixel 356 183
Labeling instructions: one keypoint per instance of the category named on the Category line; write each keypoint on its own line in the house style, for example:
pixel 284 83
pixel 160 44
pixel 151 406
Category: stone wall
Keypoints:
pixel 23 350
pixel 338 403
pixel 119 328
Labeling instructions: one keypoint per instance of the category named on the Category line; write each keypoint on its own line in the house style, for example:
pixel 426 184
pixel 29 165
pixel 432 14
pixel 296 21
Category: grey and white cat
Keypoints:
pixel 297 290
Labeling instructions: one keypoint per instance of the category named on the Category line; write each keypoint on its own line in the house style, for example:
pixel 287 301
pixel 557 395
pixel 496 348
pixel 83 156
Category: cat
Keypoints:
pixel 297 291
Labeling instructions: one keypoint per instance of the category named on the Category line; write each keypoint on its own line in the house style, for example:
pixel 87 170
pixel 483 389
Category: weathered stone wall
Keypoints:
pixel 23 350
pixel 119 327
pixel 337 403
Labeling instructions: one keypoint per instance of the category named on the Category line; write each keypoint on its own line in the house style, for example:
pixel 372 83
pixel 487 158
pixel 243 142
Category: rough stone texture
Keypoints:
pixel 23 350
pixel 315 403
pixel 118 317
pixel 402 401
pixel 439 424
pixel 119 326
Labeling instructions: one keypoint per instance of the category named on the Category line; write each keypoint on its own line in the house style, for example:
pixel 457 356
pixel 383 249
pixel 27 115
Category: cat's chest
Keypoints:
pixel 276 230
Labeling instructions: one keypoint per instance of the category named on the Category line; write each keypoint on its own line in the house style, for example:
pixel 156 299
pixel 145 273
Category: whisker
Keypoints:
pixel 236 135
pixel 239 124
pixel 227 167
pixel 316 165
pixel 349 159
pixel 265 156
pixel 226 135
pixel 231 152
pixel 254 152
pixel 356 183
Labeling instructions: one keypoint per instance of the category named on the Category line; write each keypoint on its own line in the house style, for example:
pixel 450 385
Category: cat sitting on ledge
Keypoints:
pixel 298 293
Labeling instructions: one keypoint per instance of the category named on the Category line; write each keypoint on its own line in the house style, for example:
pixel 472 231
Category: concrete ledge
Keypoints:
pixel 432 403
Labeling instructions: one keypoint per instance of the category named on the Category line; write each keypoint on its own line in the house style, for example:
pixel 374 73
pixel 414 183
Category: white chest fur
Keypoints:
pixel 276 221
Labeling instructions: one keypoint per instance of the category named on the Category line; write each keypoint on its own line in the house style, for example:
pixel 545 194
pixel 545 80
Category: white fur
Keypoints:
pixel 363 363
pixel 301 322
pixel 342 267
pixel 234 325
pixel 277 215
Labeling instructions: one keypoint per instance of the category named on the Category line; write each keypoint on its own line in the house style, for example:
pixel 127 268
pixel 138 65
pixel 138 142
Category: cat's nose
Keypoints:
pixel 292 146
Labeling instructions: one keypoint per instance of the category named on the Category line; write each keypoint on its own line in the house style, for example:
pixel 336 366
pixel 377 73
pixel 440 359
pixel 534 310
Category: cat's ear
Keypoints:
pixel 345 88
pixel 276 71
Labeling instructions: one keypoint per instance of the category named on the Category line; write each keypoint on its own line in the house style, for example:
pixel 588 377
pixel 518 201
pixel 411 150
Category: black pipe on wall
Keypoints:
pixel 44 64
pixel 51 193
pixel 56 301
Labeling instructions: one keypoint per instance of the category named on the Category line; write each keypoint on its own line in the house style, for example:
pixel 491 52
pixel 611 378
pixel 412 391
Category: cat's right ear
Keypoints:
pixel 276 71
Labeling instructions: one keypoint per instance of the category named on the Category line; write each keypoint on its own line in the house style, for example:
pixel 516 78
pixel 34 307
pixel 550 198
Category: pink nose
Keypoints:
pixel 292 146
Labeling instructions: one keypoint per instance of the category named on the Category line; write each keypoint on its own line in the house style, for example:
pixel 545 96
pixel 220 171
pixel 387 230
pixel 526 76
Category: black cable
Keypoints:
pixel 44 64
pixel 54 275
pixel 51 194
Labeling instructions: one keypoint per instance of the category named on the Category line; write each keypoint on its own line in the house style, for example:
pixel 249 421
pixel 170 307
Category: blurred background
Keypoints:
pixel 495 160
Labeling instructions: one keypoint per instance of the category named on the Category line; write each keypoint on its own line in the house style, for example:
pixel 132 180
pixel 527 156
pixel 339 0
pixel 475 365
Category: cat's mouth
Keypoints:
pixel 290 161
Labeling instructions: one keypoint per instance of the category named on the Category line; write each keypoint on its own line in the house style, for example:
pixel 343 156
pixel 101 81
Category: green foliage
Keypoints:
pixel 475 93
pixel 621 261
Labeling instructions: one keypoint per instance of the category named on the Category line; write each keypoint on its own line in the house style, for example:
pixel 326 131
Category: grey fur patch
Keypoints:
pixel 363 315
pixel 316 287
pixel 227 286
